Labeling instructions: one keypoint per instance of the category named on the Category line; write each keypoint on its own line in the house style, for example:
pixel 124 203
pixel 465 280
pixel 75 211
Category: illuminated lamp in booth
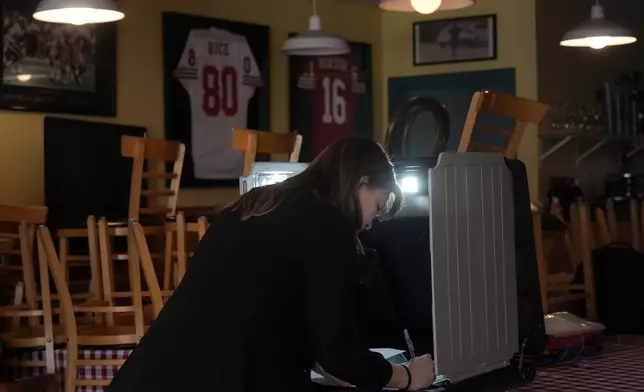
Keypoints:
pixel 268 173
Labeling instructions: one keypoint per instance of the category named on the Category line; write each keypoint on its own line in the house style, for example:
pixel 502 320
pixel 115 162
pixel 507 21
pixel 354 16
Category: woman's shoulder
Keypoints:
pixel 313 206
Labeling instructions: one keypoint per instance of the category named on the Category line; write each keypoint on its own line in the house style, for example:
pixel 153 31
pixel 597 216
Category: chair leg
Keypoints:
pixel 63 246
pixel 589 278
pixel 167 263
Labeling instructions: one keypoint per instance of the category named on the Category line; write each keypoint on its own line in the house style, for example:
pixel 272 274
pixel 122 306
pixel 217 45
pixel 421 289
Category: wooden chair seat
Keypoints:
pixel 34 336
pixel 101 335
pixel 128 319
pixel 31 337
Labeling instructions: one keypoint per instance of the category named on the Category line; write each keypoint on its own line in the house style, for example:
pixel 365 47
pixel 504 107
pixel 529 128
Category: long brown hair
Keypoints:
pixel 336 174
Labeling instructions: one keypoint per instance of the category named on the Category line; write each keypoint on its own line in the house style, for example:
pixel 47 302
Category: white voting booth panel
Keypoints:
pixel 473 264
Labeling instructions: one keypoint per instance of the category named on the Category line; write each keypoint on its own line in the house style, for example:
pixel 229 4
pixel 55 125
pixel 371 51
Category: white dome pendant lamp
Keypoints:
pixel 408 5
pixel 425 7
pixel 77 12
pixel 315 42
pixel 597 33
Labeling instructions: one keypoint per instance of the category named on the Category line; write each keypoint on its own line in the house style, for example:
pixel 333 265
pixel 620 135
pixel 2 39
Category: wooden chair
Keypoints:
pixel 113 290
pixel 253 142
pixel 98 336
pixel 555 291
pixel 185 233
pixel 149 177
pixel 523 111
pixel 42 334
pixel 612 230
pixel 17 240
pixel 143 253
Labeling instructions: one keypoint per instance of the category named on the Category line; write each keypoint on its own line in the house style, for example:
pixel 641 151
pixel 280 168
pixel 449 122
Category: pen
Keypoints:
pixel 410 345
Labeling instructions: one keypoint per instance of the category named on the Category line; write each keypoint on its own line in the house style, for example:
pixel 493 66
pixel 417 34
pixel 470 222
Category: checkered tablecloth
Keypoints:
pixel 617 369
pixel 84 372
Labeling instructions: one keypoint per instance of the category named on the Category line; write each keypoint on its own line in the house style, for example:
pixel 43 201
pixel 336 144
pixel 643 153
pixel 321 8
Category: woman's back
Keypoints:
pixel 238 318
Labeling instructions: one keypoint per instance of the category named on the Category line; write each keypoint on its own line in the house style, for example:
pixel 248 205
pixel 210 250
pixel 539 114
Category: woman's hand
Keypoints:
pixel 318 369
pixel 422 372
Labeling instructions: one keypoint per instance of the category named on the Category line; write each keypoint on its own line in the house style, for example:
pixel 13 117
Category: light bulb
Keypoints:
pixel 598 42
pixel 409 185
pixel 23 77
pixel 426 6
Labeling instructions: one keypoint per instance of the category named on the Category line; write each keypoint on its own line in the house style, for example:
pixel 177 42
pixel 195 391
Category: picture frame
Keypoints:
pixel 56 68
pixel 181 118
pixel 323 114
pixel 472 38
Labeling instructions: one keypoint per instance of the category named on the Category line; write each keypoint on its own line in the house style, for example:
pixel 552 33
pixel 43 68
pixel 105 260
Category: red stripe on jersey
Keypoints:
pixel 253 81
pixel 186 73
pixel 186 76
pixel 186 69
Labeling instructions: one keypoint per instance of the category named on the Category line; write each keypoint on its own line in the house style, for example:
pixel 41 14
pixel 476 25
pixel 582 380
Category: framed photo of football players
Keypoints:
pixel 215 79
pixel 331 98
pixel 56 68
pixel 471 38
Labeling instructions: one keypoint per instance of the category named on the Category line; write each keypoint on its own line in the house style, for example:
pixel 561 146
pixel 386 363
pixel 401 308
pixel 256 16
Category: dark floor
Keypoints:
pixel 618 368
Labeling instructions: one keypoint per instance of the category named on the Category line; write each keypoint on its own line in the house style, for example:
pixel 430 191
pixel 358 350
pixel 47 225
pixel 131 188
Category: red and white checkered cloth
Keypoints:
pixel 84 372
pixel 617 369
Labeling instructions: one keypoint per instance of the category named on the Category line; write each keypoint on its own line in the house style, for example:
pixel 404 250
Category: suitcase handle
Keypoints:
pixel 407 114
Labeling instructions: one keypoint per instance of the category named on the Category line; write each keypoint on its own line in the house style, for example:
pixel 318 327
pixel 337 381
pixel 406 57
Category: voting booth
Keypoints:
pixel 457 269
pixel 473 261
pixel 461 269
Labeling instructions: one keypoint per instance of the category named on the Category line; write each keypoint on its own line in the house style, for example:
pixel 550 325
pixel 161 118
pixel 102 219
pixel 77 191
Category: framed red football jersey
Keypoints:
pixel 331 98
pixel 215 79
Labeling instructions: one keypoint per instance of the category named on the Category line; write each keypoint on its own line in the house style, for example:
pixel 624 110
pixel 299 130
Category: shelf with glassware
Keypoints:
pixel 619 120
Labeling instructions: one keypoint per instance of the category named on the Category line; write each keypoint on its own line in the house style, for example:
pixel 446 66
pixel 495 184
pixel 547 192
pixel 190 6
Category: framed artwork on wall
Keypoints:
pixel 57 68
pixel 216 76
pixel 331 98
pixel 455 40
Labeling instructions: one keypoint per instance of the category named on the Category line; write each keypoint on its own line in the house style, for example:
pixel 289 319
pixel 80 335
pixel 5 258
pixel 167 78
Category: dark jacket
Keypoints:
pixel 261 301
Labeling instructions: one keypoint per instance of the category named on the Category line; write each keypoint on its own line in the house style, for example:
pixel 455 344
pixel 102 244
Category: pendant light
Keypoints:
pixel 425 7
pixel 598 33
pixel 77 12
pixel 315 42
pixel 407 6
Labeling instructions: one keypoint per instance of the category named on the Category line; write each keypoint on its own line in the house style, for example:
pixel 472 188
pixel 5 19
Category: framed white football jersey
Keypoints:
pixel 220 74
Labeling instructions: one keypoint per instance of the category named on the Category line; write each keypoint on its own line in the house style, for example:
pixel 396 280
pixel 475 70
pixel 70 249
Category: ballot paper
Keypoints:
pixel 318 375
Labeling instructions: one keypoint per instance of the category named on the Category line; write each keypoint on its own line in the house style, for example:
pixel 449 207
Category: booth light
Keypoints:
pixel 269 173
pixel 271 178
pixel 409 184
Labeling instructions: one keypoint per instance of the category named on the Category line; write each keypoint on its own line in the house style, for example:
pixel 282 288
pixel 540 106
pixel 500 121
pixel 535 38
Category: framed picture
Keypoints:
pixel 216 76
pixel 455 40
pixel 331 98
pixel 56 68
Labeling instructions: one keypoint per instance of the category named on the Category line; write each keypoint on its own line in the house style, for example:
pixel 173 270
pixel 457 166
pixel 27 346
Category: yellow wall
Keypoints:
pixel 516 48
pixel 140 68
pixel 140 79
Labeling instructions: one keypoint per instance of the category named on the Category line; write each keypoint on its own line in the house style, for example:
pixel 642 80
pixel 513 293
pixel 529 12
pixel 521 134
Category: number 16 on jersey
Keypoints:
pixel 335 105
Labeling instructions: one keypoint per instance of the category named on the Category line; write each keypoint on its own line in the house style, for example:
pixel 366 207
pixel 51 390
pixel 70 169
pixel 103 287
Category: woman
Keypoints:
pixel 271 289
